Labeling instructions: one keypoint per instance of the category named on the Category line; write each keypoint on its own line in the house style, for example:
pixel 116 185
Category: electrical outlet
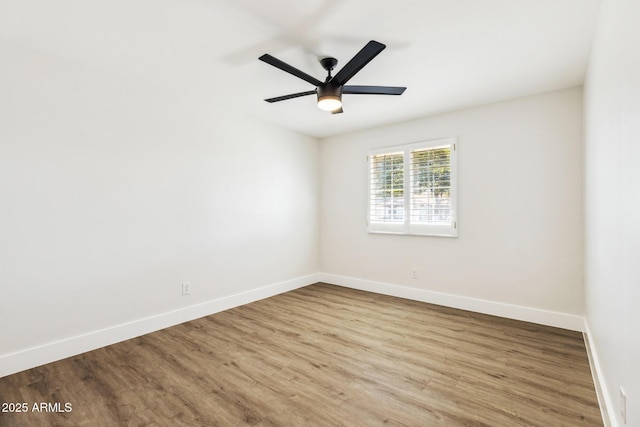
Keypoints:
pixel 623 405
pixel 186 288
pixel 414 272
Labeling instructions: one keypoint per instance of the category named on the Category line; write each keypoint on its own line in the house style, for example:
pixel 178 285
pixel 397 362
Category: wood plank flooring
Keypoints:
pixel 321 356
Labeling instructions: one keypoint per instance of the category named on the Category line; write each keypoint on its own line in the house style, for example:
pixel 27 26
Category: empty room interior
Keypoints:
pixel 174 250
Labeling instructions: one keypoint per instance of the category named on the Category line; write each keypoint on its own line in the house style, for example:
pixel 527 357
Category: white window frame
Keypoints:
pixel 406 227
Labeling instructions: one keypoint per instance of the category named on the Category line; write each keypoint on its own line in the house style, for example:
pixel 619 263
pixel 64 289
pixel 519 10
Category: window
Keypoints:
pixel 412 189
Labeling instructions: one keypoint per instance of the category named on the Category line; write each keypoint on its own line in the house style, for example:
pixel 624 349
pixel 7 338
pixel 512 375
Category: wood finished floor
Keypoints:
pixel 322 356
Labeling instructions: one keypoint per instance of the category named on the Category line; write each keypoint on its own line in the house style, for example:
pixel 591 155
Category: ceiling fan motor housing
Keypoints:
pixel 330 97
pixel 329 90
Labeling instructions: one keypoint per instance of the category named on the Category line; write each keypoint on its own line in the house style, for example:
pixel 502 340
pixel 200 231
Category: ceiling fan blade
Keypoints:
pixel 362 58
pixel 289 69
pixel 291 96
pixel 373 90
pixel 338 111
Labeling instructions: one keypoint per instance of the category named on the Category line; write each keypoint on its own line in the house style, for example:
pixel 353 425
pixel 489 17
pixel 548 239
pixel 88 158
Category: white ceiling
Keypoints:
pixel 451 54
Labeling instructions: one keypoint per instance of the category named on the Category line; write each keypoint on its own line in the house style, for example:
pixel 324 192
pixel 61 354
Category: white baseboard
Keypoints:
pixel 602 391
pixel 535 315
pixel 53 351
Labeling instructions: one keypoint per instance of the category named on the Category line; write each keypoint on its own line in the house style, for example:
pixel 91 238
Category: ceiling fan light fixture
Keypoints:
pixel 329 97
pixel 329 102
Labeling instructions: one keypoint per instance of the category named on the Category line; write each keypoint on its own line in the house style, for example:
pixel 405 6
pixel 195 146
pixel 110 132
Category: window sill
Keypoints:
pixel 398 233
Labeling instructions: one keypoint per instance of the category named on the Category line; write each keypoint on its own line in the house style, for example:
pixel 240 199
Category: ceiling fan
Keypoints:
pixel 331 90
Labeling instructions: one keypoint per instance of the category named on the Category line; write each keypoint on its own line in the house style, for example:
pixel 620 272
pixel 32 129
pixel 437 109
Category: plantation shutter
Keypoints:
pixel 386 192
pixel 412 189
pixel 430 193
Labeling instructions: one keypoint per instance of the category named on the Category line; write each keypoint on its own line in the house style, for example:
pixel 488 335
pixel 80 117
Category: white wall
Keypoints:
pixel 520 209
pixel 612 204
pixel 113 192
